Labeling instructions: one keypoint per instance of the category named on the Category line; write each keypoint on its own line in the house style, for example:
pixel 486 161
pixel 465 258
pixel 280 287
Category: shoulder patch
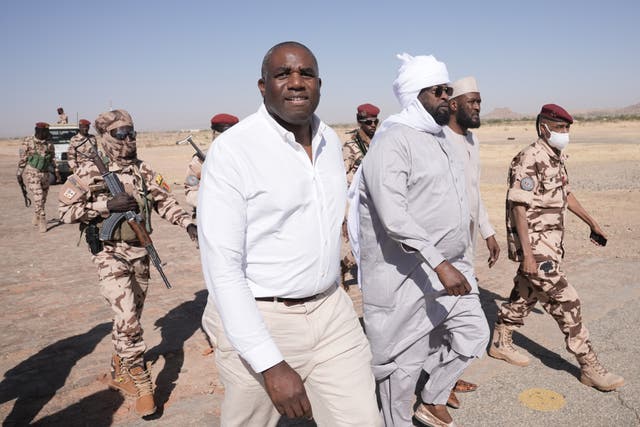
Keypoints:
pixel 192 180
pixel 69 193
pixel 162 183
pixel 526 183
pixel 72 190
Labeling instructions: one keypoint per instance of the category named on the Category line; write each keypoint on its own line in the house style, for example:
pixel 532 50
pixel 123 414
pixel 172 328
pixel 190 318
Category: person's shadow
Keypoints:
pixel 95 410
pixel 176 327
pixel 35 381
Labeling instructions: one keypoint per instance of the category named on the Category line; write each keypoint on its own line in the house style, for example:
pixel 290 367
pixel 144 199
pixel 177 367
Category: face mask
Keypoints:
pixel 121 152
pixel 558 140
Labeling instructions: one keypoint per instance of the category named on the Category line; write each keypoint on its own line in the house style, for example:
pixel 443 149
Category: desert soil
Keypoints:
pixel 55 326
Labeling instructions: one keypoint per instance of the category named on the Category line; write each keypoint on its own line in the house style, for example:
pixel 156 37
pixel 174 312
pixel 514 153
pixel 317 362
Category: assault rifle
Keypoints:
pixel 27 200
pixel 189 139
pixel 135 220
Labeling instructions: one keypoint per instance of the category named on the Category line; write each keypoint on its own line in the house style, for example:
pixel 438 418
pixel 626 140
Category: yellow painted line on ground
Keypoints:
pixel 542 399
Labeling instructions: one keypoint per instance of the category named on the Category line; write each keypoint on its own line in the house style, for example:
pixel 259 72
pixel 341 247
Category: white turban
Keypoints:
pixel 416 73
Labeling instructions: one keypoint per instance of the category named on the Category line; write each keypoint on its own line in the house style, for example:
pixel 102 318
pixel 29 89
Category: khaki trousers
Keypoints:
pixel 324 342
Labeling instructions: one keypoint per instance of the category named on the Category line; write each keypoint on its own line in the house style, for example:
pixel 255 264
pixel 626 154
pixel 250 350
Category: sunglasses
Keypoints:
pixel 437 90
pixel 122 133
pixel 369 122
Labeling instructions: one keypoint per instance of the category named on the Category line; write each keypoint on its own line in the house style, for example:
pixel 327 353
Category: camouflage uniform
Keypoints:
pixel 123 265
pixel 353 152
pixel 80 150
pixel 192 181
pixel 538 179
pixel 62 119
pixel 35 157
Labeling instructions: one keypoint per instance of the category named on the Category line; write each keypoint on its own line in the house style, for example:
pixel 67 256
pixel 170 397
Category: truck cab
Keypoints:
pixel 61 136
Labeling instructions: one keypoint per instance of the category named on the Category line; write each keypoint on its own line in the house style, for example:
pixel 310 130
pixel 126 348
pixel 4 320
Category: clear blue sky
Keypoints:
pixel 173 64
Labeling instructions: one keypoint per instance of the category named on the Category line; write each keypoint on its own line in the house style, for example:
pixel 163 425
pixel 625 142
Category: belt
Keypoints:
pixel 294 301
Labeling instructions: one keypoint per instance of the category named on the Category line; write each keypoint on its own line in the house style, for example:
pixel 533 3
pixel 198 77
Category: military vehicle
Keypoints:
pixel 60 136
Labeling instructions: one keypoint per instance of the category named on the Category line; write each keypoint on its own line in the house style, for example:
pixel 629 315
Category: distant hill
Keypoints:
pixel 503 114
pixel 507 114
pixel 630 110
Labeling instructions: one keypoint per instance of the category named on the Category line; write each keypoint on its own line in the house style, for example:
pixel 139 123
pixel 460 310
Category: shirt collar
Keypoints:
pixel 550 151
pixel 317 126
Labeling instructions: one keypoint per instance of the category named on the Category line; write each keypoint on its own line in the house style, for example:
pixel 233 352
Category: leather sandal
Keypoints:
pixel 453 401
pixel 464 387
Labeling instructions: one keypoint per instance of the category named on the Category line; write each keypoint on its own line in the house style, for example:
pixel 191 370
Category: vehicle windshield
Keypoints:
pixel 62 136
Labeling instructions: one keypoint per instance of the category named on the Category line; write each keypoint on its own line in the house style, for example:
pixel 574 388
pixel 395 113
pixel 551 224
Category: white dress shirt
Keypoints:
pixel 269 224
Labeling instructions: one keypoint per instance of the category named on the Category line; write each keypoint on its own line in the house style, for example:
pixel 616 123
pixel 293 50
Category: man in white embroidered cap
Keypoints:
pixel 421 304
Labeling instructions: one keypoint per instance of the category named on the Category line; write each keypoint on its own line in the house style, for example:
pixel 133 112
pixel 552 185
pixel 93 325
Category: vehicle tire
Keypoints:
pixel 52 178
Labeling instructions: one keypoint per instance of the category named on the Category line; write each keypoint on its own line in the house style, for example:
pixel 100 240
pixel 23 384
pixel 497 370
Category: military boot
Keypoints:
pixel 141 377
pixel 120 379
pixel 593 374
pixel 42 225
pixel 502 346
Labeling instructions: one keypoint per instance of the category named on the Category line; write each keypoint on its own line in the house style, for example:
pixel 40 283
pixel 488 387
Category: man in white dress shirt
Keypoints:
pixel 271 205
pixel 420 298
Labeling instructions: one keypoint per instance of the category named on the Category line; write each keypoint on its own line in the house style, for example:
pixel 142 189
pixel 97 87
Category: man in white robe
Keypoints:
pixel 465 115
pixel 421 304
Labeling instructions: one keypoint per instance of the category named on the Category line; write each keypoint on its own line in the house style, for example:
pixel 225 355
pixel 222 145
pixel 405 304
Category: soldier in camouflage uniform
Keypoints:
pixel 219 124
pixel 123 264
pixel 537 200
pixel 36 155
pixel 62 117
pixel 353 150
pixel 81 146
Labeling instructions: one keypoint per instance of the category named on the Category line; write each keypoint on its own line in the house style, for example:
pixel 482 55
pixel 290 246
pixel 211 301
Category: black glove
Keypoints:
pixel 192 230
pixel 123 203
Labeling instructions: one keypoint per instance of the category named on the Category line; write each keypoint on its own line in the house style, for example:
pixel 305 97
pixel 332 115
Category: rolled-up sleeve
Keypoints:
pixel 385 174
pixel 222 223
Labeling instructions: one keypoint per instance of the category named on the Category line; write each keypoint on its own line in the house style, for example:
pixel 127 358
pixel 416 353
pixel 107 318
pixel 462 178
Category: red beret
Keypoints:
pixel 224 119
pixel 84 122
pixel 368 109
pixel 42 125
pixel 556 112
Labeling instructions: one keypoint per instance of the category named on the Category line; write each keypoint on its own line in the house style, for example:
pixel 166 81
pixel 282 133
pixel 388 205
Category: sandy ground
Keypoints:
pixel 54 328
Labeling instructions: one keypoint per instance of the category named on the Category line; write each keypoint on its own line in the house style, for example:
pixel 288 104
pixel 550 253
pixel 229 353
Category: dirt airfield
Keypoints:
pixel 55 327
